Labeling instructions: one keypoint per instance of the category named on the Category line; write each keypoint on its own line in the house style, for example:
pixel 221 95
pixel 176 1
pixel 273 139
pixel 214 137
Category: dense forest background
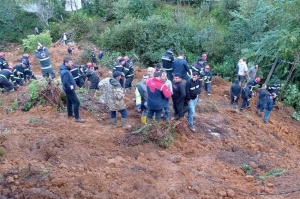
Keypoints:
pixel 265 32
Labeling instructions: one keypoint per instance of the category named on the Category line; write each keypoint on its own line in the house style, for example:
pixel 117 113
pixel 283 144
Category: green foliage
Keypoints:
pixel 35 120
pixel 272 173
pixel 292 96
pixel 56 29
pixel 80 22
pixel 296 116
pixel 14 106
pixel 34 97
pixel 136 8
pixel 247 168
pixel 2 151
pixel 30 44
pixel 226 69
pixel 109 59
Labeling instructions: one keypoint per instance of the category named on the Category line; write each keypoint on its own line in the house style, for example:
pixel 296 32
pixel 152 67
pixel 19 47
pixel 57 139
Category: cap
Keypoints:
pixel 171 50
pixel 117 74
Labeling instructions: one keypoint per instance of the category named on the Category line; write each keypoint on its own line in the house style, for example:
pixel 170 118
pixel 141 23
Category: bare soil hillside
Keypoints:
pixel 232 154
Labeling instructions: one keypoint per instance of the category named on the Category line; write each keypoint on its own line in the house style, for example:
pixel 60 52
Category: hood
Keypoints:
pixel 236 81
pixel 114 82
pixel 63 69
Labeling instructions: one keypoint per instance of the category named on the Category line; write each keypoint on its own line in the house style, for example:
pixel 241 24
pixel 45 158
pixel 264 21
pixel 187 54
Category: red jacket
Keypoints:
pixel 158 94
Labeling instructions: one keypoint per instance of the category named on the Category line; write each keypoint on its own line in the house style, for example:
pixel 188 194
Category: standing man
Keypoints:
pixel 235 92
pixel 64 38
pixel 242 69
pixel 43 55
pixel 252 71
pixel 193 90
pixel 246 96
pixel 207 77
pixel 36 31
pixel 100 55
pixel 94 59
pixel 76 73
pixel 91 76
pixel 167 62
pixel 262 99
pixel 3 62
pixel 120 68
pixel 141 97
pixel 181 67
pixel 158 95
pixel 112 94
pixel 69 86
pixel 128 72
pixel 150 72
pixel 199 66
pixel 70 50
pixel 178 96
pixel 274 88
pixel 269 107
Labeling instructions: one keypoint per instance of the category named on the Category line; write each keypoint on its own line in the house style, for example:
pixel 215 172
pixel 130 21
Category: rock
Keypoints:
pixel 10 179
pixel 270 185
pixel 222 193
pixel 207 192
pixel 253 165
pixel 172 193
pixel 197 189
pixel 230 193
pixel 37 193
pixel 249 178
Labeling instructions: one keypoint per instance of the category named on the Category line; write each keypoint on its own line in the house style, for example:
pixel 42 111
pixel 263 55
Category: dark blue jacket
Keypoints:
pixel 193 89
pixel 19 69
pixel 181 67
pixel 7 74
pixel 3 63
pixel 42 54
pixel 207 76
pixel 179 93
pixel 263 94
pixel 270 103
pixel 66 79
pixel 167 61
pixel 246 94
pixel 235 89
pixel 274 88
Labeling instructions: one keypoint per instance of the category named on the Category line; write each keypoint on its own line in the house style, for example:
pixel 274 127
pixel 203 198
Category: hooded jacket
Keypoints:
pixel 42 54
pixel 67 79
pixel 235 89
pixel 112 94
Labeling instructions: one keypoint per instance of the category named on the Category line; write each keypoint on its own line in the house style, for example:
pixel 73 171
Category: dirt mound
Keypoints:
pixel 232 154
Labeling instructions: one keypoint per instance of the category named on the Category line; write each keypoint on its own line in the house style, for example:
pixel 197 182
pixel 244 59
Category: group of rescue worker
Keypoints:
pixel 244 87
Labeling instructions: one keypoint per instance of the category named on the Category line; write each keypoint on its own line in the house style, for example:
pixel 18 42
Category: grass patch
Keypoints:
pixel 35 120
pixel 2 151
pixel 272 173
pixel 247 169
pixel 3 131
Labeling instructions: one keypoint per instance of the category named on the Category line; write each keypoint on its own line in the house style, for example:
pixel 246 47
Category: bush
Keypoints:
pixel 291 97
pixel 136 8
pixel 226 70
pixel 30 44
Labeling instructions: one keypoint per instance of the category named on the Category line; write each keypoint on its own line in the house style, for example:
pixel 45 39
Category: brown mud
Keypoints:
pixel 47 155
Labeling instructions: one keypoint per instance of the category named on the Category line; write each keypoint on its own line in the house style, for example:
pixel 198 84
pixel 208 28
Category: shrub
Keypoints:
pixel 291 96
pixel 30 44
pixel 136 8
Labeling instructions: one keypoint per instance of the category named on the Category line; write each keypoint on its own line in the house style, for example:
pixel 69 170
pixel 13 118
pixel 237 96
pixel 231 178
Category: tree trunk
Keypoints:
pixel 272 70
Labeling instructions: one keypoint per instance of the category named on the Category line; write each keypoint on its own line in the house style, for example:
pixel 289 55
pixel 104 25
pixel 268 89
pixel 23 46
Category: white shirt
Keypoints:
pixel 243 68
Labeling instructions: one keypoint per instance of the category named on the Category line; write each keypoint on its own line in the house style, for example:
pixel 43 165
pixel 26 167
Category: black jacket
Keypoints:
pixel 193 89
pixel 235 89
pixel 178 92
pixel 167 61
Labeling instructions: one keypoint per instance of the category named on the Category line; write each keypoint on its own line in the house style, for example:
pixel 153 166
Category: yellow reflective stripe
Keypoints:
pixel 46 67
pixel 44 59
pixel 3 76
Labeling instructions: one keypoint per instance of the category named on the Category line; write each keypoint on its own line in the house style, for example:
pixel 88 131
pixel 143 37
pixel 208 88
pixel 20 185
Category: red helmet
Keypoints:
pixel 89 65
pixel 2 54
pixel 26 55
pixel 257 79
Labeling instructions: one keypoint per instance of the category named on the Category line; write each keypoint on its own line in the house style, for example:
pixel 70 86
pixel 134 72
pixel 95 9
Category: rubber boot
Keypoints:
pixel 144 119
pixel 114 122
pixel 124 121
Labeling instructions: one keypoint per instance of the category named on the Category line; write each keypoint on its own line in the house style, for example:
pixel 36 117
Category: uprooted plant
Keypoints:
pixel 41 92
pixel 162 134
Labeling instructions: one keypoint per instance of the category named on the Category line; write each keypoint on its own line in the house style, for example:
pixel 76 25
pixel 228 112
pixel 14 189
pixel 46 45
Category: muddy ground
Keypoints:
pixel 47 155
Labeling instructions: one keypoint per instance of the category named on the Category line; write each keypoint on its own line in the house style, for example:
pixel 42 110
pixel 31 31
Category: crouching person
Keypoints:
pixel 112 94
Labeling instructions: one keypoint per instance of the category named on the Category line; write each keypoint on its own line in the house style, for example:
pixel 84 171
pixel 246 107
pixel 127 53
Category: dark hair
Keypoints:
pixel 195 73
pixel 157 74
pixel 158 66
pixel 180 53
pixel 177 75
pixel 67 59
